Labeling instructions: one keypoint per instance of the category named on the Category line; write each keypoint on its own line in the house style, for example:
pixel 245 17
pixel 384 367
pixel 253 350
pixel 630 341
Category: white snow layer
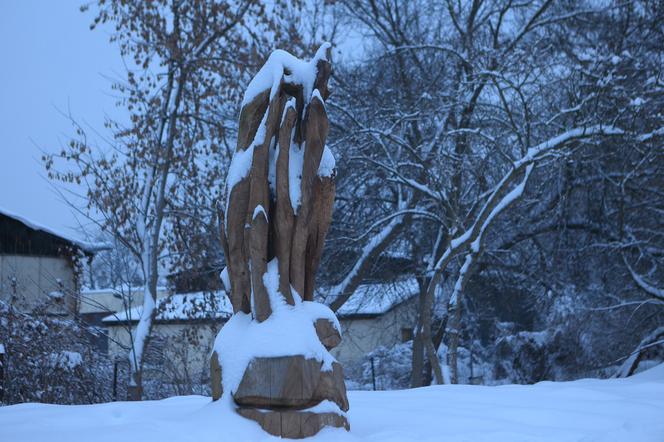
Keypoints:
pixel 181 306
pixel 299 72
pixel 288 331
pixel 588 410
pixel 327 163
pixel 295 165
pixel 86 246
pixel 225 279
pixel 257 211
pixel 376 299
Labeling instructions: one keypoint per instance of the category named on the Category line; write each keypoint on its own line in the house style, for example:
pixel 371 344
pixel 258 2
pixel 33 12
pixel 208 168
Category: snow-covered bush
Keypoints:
pixel 50 359
pixel 521 358
pixel 390 367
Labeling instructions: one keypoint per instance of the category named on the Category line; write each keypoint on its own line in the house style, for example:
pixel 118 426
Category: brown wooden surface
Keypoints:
pixel 215 376
pixel 284 216
pixel 316 132
pixel 290 381
pixel 293 424
pixel 297 240
pixel 286 385
pixel 323 197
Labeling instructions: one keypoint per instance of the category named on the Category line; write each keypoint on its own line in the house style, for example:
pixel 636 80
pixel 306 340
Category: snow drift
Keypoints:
pixel 587 410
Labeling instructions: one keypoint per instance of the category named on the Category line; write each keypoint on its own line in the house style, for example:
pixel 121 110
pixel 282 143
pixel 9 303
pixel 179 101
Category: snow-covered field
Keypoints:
pixel 629 410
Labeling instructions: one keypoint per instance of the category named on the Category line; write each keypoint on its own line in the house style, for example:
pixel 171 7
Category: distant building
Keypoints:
pixel 376 315
pixel 183 333
pixel 196 280
pixel 96 304
pixel 39 266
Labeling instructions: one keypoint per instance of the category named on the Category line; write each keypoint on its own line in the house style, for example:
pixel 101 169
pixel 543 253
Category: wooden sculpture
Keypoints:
pixel 271 359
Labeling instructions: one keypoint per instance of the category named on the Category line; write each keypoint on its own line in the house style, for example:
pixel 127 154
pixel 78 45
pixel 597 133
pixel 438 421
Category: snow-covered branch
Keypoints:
pixel 650 289
pixel 496 203
pixel 378 242
pixel 630 365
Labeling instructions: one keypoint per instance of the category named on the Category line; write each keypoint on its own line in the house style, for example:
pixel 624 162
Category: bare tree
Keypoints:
pixel 466 101
pixel 185 59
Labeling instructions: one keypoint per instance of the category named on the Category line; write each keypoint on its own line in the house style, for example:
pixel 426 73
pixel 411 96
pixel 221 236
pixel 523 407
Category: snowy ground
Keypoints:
pixel 586 410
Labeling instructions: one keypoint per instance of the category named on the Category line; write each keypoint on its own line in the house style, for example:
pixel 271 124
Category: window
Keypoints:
pixel 406 334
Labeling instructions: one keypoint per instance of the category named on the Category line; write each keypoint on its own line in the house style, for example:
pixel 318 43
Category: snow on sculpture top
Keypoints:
pixel 282 65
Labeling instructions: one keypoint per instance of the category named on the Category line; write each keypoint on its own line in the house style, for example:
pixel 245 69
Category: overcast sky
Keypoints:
pixel 51 63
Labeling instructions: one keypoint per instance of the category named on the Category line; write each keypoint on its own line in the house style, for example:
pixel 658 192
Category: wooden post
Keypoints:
pixel 115 380
pixel 2 372
pixel 373 374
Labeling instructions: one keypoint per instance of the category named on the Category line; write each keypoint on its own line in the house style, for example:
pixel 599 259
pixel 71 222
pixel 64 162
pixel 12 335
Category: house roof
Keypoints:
pixel 181 307
pixel 368 300
pixel 123 289
pixel 112 299
pixel 86 246
pixel 374 299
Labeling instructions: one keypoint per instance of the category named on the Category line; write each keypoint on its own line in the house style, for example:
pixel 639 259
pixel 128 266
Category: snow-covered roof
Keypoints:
pixel 373 299
pixel 378 298
pixel 122 289
pixel 113 299
pixel 86 246
pixel 181 307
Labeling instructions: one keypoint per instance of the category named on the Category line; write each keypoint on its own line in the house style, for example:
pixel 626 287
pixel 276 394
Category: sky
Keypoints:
pixel 52 63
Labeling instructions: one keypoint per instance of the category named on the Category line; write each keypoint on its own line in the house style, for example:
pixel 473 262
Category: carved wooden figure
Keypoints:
pixel 280 195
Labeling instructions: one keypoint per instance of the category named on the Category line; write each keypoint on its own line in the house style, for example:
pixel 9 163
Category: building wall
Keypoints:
pixel 360 336
pixel 183 348
pixel 94 305
pixel 363 335
pixel 37 277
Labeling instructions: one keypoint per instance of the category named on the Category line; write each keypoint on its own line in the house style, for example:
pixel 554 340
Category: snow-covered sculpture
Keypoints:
pixel 271 360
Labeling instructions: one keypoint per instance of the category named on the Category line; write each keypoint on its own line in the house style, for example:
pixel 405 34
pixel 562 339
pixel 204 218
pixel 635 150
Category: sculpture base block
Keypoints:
pixel 290 382
pixel 293 424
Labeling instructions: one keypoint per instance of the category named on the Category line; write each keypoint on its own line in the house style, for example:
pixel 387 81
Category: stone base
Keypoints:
pixel 293 424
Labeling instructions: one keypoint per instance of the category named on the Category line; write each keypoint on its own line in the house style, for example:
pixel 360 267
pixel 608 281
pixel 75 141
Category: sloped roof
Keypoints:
pixel 181 307
pixel 368 300
pixel 112 299
pixel 124 289
pixel 86 246
pixel 374 299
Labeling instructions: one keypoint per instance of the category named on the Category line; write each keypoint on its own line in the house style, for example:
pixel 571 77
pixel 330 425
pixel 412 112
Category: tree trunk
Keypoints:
pixel 417 365
pixel 454 332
